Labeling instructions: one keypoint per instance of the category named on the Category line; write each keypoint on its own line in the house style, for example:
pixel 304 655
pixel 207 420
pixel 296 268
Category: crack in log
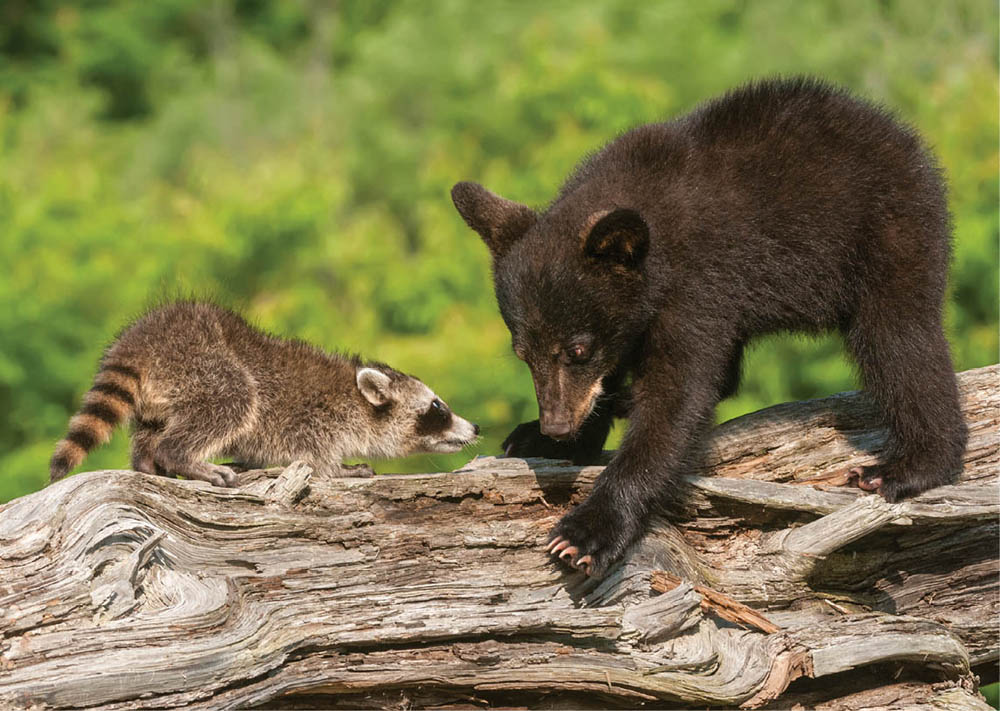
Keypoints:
pixel 715 602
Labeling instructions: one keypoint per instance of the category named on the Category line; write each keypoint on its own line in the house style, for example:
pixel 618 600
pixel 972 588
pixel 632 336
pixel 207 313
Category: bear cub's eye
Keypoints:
pixel 578 353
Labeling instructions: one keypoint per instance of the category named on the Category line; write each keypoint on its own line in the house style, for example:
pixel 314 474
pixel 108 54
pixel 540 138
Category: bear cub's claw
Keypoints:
pixel 894 482
pixel 591 537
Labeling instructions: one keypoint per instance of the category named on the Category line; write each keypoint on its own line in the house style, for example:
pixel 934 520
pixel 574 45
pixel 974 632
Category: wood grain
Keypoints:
pixel 120 590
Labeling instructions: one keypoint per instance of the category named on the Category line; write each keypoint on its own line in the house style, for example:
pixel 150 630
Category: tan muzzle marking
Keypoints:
pixel 587 404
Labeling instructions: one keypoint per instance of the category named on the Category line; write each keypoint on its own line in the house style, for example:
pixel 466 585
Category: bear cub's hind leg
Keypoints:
pixel 907 369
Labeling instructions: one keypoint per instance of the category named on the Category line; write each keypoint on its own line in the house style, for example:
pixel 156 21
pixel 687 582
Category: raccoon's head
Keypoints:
pixel 571 286
pixel 408 417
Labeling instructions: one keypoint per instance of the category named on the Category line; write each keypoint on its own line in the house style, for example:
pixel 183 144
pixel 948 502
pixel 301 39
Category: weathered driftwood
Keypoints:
pixel 120 590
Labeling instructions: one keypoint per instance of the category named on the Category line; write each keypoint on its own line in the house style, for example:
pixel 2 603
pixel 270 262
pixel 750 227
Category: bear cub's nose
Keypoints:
pixel 556 429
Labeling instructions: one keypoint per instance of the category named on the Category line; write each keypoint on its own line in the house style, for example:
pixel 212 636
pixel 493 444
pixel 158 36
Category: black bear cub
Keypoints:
pixel 784 205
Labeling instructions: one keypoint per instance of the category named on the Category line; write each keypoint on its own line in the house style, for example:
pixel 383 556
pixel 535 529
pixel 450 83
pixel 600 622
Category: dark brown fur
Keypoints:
pixel 783 205
pixel 198 382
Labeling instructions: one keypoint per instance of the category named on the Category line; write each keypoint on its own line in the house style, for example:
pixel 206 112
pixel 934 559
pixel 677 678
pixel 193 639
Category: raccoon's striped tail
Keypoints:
pixel 107 404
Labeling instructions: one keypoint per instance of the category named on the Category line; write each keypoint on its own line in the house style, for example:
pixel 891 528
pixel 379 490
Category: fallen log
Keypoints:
pixel 120 590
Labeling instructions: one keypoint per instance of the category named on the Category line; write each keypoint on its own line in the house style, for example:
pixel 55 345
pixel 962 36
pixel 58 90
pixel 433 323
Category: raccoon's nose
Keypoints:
pixel 475 428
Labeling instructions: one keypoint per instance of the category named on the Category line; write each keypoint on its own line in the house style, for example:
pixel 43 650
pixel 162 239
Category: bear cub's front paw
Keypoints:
pixel 592 536
pixel 527 440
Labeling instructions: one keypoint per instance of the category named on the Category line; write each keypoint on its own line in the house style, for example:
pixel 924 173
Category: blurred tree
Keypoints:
pixel 294 159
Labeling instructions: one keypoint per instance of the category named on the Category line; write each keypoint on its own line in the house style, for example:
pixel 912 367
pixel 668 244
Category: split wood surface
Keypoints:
pixel 120 590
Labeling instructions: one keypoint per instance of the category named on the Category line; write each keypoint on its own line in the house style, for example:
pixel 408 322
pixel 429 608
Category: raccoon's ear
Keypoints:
pixel 618 237
pixel 500 222
pixel 374 385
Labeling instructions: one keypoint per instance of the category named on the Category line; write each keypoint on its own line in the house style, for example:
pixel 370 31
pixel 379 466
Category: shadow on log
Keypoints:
pixel 120 590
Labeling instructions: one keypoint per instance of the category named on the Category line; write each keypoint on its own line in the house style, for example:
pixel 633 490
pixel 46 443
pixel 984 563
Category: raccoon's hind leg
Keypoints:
pixel 213 412
pixel 182 451
pixel 145 437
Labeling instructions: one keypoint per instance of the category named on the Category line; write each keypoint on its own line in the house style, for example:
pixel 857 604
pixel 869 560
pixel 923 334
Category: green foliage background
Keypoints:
pixel 293 159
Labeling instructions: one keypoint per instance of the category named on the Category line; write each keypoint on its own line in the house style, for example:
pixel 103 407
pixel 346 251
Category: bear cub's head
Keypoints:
pixel 572 288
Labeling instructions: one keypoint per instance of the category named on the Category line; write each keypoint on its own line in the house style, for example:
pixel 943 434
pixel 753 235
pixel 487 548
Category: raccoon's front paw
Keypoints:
pixel 592 536
pixel 362 471
pixel 527 440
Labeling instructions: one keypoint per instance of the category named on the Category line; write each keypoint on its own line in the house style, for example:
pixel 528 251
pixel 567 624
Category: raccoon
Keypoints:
pixel 198 382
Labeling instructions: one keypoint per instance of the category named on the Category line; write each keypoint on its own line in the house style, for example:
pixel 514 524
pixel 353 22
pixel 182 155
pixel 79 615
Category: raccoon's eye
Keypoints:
pixel 434 420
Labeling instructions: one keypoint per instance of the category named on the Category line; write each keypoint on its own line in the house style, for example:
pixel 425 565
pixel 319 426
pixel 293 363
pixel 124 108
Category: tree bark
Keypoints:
pixel 120 590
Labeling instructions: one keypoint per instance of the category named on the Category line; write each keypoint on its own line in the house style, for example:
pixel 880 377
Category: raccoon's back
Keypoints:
pixel 174 346
pixel 181 325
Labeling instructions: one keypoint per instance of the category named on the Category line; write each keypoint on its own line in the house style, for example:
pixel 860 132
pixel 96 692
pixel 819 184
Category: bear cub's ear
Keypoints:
pixel 374 386
pixel 620 237
pixel 500 222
